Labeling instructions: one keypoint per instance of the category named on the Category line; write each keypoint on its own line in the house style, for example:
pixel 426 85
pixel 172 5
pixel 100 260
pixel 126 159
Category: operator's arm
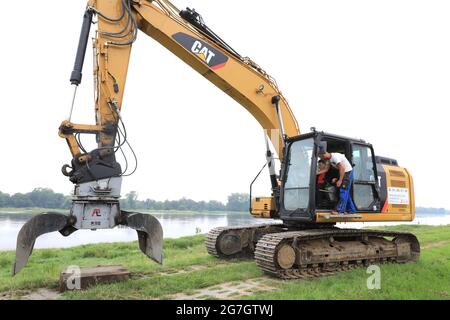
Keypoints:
pixel 325 170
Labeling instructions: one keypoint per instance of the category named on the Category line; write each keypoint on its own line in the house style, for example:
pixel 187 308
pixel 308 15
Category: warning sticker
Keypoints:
pixel 398 195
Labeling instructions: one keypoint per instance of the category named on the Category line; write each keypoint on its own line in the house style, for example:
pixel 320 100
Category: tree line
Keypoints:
pixel 432 210
pixel 47 198
pixel 39 197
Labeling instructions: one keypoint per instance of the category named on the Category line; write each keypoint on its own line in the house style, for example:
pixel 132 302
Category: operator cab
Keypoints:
pixel 301 198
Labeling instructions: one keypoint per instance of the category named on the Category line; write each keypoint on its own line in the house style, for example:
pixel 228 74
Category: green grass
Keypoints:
pixel 423 233
pixel 427 279
pixel 45 265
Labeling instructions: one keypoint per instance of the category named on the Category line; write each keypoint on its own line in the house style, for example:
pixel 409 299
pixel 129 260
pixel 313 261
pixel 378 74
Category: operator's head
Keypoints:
pixel 323 154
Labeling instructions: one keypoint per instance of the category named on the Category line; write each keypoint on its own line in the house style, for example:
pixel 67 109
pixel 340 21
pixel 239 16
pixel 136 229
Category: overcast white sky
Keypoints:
pixel 376 70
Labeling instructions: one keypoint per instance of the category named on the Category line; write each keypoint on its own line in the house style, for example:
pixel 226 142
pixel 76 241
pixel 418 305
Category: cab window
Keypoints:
pixel 296 188
pixel 364 192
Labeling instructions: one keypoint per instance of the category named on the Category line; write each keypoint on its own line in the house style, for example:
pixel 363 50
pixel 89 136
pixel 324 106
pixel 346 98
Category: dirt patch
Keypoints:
pixel 5 296
pixel 13 294
pixel 39 294
pixel 42 294
pixel 435 244
pixel 187 269
pixel 171 272
pixel 227 290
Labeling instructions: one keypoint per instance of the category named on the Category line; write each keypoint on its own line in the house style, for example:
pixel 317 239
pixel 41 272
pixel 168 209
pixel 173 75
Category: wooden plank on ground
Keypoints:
pixel 82 278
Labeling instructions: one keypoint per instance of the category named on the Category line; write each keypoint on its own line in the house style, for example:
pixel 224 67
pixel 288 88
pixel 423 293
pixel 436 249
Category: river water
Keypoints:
pixel 174 225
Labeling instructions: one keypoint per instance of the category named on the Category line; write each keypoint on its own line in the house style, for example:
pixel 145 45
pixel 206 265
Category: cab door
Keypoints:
pixel 365 182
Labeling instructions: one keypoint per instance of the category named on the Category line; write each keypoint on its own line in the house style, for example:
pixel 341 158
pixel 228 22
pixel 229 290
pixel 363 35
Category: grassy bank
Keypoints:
pixel 188 268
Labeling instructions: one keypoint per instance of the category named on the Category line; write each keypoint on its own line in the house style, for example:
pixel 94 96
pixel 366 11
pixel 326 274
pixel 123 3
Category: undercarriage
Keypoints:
pixel 301 252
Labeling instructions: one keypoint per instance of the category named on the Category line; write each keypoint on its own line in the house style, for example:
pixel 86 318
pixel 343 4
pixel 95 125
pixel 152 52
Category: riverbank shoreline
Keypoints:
pixel 152 211
pixel 175 224
pixel 189 272
pixel 156 212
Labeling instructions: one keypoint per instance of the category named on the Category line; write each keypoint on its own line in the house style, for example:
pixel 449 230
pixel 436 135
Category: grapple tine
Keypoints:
pixel 33 228
pixel 150 233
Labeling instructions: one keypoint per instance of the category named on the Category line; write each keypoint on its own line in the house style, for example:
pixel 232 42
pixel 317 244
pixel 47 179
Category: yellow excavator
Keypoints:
pixel 306 241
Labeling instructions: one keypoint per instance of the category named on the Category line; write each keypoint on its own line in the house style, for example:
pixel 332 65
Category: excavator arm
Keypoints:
pixel 96 174
pixel 185 35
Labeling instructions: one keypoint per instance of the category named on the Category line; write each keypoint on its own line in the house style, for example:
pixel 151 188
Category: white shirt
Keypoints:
pixel 337 158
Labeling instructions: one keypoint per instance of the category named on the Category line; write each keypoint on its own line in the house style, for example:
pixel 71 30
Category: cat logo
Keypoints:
pixel 205 52
pixel 202 52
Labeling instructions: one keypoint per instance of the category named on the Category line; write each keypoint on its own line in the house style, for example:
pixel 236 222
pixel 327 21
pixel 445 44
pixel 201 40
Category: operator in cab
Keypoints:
pixel 344 182
pixel 326 191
